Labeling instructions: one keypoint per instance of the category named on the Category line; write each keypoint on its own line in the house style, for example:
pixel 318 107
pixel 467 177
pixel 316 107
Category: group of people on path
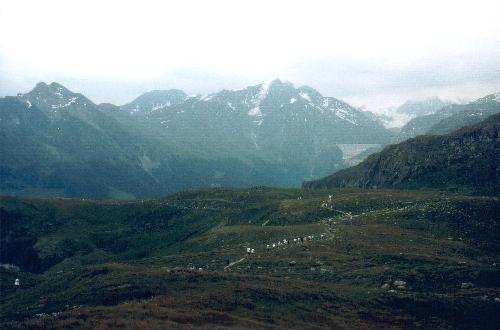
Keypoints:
pixel 298 240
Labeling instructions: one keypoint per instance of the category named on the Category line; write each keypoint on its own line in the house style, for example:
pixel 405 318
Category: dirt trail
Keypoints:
pixel 234 263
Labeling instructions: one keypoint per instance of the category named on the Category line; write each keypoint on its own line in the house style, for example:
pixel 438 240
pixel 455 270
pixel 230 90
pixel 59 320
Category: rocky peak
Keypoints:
pixel 310 94
pixel 54 97
pixel 489 98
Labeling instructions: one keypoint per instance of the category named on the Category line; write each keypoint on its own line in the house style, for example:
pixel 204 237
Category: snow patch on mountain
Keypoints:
pixel 207 97
pixel 305 96
pixel 257 99
pixel 345 115
pixel 67 104
pixel 255 112
pixel 160 106
pixel 496 97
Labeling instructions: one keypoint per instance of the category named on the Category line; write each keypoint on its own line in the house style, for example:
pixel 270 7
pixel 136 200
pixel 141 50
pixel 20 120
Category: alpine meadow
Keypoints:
pixel 249 164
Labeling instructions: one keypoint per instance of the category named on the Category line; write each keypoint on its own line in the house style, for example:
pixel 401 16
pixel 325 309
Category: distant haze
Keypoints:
pixel 370 53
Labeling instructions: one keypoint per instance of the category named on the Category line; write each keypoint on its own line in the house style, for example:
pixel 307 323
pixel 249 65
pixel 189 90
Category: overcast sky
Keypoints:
pixel 371 53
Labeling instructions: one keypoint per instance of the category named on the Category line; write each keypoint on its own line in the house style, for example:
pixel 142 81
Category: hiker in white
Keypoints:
pixel 16 282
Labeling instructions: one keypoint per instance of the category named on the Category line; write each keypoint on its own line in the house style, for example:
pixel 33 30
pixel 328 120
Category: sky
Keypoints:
pixel 373 54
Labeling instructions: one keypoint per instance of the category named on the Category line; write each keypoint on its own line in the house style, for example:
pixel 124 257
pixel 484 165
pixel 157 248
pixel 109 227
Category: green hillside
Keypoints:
pixel 371 259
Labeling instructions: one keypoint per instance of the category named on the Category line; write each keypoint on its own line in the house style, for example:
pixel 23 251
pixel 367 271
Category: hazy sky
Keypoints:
pixel 372 53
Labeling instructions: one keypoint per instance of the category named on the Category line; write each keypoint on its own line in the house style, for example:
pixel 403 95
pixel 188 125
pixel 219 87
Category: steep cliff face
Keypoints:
pixel 467 159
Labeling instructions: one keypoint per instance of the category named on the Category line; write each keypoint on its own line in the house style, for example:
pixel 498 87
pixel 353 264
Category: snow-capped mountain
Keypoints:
pixel 277 103
pixel 257 101
pixel 495 97
pixel 451 117
pixel 397 117
pixel 57 142
pixel 54 98
pixel 295 127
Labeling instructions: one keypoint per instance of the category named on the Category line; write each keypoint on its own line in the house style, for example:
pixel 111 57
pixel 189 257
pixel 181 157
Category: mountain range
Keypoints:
pixel 451 117
pixel 59 143
pixel 255 257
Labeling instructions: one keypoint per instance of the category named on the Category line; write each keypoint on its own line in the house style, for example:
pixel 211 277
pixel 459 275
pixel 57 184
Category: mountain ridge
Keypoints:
pixel 451 117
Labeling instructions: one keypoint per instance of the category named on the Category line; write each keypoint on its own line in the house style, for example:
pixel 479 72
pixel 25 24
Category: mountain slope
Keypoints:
pixel 465 159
